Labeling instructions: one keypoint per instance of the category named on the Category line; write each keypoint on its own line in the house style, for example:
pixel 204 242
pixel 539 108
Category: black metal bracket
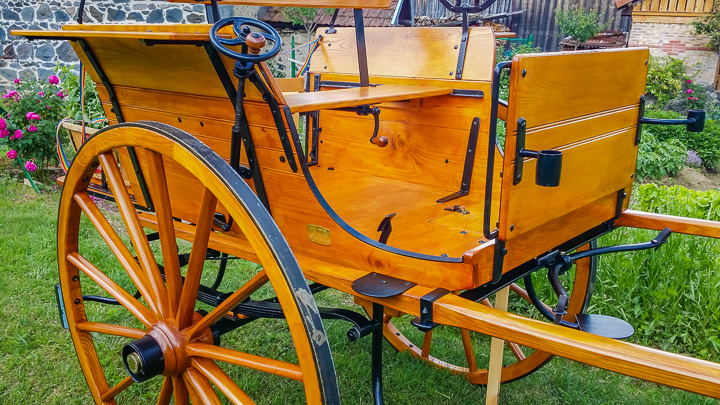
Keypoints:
pixel 361 48
pixel 314 152
pixel 519 148
pixel 468 93
pixel 61 307
pixel 695 121
pixel 378 285
pixel 491 151
pixel 425 322
pixel 463 45
pixel 212 11
pixel 498 260
pixel 385 228
pixel 81 11
pixel 621 194
pixel 342 85
pixel 331 29
pixel 548 166
pixel 641 113
pixel 469 163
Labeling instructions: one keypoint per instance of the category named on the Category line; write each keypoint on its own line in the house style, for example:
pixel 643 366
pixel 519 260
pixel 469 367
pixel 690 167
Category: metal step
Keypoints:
pixel 603 325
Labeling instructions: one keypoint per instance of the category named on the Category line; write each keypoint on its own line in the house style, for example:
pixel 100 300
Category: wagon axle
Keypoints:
pixel 143 359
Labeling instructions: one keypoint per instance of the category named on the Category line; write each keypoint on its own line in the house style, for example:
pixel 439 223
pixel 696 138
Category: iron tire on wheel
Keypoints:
pixel 188 356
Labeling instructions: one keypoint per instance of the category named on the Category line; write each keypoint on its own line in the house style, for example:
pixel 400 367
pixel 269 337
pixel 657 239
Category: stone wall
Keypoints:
pixel 21 57
pixel 678 41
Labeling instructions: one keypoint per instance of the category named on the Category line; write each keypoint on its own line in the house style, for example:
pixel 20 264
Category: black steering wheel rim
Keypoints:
pixel 221 44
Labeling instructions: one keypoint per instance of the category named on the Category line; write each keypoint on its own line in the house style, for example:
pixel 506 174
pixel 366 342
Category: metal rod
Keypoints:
pixel 81 11
pixel 361 48
pixel 377 339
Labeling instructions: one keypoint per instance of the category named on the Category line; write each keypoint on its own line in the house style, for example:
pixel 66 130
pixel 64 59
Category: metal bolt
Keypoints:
pixel 179 119
pixel 282 159
pixel 86 179
pixel 134 363
pixel 325 67
pixel 463 232
pixel 329 43
pixel 451 73
pixel 512 227
pixel 632 176
pixel 524 72
pixel 77 301
pixel 444 255
pixel 447 160
pixel 75 278
pixel 456 47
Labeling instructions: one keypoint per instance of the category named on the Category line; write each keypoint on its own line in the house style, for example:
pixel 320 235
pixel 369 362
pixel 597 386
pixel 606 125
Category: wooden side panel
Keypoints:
pixel 594 125
pixel 559 86
pixel 429 53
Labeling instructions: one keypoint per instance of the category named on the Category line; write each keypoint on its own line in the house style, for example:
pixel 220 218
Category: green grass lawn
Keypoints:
pixel 38 364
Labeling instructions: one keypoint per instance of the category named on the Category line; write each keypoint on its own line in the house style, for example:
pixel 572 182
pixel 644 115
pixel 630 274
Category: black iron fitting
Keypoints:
pixel 425 322
pixel 385 228
pixel 468 165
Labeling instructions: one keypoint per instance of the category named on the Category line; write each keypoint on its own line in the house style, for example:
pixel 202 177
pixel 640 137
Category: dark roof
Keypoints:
pixel 371 18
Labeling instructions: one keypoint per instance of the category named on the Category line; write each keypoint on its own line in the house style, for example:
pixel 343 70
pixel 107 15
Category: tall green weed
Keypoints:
pixel 671 295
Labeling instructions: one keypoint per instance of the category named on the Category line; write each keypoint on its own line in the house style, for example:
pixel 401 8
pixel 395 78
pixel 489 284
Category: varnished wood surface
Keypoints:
pixel 73 34
pixel 301 3
pixel 424 53
pixel 303 102
pixel 658 222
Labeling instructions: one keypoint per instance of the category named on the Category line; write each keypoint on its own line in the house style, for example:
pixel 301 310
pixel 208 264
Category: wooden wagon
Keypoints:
pixel 396 192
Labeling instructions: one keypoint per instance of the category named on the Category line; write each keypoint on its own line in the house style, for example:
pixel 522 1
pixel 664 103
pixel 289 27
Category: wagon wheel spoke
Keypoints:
pixel 259 280
pixel 123 297
pixel 120 387
pixel 217 376
pixel 165 392
pixel 427 342
pixel 469 352
pixel 251 361
pixel 197 258
pixel 114 242
pixel 116 330
pixel 180 391
pixel 158 298
pixel 201 387
pixel 524 295
pixel 157 183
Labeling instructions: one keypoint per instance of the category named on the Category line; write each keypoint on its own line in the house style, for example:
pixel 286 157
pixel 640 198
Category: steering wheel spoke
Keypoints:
pixel 242 28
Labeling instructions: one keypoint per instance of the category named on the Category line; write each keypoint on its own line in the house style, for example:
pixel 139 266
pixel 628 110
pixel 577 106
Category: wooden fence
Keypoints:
pixel 671 11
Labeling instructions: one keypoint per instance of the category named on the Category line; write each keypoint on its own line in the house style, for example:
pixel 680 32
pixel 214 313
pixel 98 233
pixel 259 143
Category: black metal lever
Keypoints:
pixel 695 121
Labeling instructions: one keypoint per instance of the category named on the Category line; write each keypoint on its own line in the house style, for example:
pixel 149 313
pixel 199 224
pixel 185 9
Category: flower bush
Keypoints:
pixel 695 96
pixel 34 109
pixel 665 79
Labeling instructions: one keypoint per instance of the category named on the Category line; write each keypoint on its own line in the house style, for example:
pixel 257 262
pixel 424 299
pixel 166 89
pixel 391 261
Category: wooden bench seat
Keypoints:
pixel 340 98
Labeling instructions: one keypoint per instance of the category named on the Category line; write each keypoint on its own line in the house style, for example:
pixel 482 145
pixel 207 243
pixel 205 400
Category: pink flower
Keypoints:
pixel 42 93
pixel 689 81
pixel 61 94
pixel 17 81
pixel 47 106
pixel 53 79
pixel 32 116
pixel 18 134
pixel 695 98
pixel 689 98
pixel 4 133
pixel 3 124
pixel 12 154
pixel 689 91
pixel 32 128
pixel 30 166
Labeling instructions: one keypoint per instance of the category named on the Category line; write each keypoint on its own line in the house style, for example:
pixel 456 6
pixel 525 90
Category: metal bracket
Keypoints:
pixel 314 151
pixel 468 93
pixel 621 194
pixel 61 307
pixel 641 113
pixel 380 286
pixel 498 260
pixel 331 29
pixel 424 322
pixel 469 163
pixel 519 147
pixel 385 227
pixel 463 45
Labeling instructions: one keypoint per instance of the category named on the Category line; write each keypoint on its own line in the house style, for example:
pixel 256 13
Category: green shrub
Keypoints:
pixel 657 158
pixel 710 26
pixel 669 295
pixel 71 85
pixel 578 23
pixel 665 79
pixel 706 143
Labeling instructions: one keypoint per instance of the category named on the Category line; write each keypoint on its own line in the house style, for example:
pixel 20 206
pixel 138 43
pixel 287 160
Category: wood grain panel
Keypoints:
pixel 600 81
pixel 303 102
pixel 302 3
pixel 430 53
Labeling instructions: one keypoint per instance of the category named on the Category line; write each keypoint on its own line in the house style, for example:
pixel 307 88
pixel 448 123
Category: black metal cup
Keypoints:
pixel 549 168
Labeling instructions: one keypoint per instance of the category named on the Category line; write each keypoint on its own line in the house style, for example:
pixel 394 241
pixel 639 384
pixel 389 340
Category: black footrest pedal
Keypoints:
pixel 603 325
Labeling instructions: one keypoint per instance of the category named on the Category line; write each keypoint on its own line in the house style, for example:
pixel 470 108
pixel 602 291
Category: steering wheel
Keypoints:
pixel 252 42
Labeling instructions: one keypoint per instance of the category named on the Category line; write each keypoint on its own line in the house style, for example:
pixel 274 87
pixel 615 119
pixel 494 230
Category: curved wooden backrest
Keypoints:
pixel 300 3
pixel 586 105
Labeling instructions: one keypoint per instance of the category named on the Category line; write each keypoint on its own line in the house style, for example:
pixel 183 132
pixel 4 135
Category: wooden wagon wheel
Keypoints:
pixel 171 345
pixel 524 363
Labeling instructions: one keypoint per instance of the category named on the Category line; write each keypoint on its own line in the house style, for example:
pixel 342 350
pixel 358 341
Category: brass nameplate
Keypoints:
pixel 319 235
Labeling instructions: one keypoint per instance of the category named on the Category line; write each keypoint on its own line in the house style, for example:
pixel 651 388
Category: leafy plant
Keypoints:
pixel 578 23
pixel 706 143
pixel 665 78
pixel 695 95
pixel 34 109
pixel 307 17
pixel 657 159
pixel 73 109
pixel 710 26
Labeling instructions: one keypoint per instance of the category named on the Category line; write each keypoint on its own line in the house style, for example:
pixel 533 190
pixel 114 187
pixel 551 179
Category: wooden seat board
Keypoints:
pixel 303 102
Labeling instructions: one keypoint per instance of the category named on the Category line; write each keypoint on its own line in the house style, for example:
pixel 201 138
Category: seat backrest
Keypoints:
pixel 586 105
pixel 428 137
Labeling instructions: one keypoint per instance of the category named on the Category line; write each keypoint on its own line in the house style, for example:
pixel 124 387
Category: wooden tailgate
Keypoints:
pixel 586 105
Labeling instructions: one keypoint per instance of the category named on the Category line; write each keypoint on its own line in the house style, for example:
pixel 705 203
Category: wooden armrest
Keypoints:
pixel 323 100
